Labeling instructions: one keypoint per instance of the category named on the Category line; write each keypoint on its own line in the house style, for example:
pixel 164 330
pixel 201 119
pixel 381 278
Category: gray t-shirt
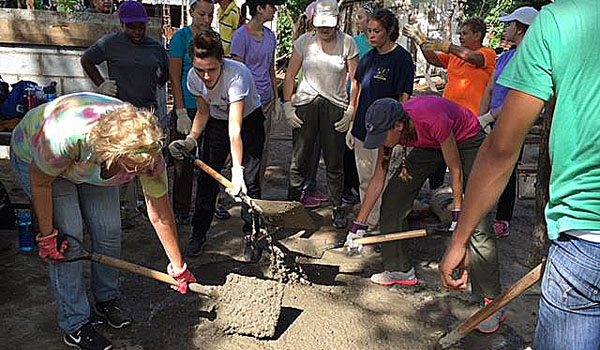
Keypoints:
pixel 235 84
pixel 137 68
pixel 324 74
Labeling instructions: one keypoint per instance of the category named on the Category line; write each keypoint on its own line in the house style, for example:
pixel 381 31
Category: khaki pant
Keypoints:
pixel 366 159
pixel 269 113
pixel 397 202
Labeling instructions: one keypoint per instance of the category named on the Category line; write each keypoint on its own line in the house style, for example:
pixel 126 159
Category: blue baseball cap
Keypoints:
pixel 381 116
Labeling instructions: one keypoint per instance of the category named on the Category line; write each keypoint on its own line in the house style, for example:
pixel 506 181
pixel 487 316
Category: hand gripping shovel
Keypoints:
pixel 276 213
pixel 502 300
pixel 244 305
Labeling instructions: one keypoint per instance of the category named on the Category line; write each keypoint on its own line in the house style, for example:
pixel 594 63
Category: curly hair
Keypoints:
pixel 388 21
pixel 127 132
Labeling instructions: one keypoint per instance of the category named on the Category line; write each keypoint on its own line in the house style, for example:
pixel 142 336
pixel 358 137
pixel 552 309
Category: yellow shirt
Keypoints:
pixel 229 21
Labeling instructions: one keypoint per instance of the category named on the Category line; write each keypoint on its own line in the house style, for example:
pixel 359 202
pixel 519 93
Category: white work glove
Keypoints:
pixel 189 144
pixel 290 115
pixel 486 120
pixel 343 124
pixel 277 110
pixel 239 186
pixel 357 230
pixel 349 137
pixel 108 87
pixel 184 123
pixel 414 33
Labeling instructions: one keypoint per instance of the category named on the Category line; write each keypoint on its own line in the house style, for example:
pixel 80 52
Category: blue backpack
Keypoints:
pixel 13 106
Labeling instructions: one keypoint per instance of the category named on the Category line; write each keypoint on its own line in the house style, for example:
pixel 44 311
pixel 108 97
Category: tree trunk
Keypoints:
pixel 539 244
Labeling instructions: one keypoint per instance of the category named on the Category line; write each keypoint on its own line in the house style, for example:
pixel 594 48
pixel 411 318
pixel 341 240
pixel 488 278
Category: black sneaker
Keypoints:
pixel 350 197
pixel 195 245
pixel 339 219
pixel 87 338
pixel 113 313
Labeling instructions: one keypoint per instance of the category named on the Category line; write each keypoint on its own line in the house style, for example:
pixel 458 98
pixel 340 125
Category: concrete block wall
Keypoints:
pixel 43 64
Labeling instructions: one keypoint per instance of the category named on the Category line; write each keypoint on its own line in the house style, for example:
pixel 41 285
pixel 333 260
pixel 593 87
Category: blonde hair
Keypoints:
pixel 128 132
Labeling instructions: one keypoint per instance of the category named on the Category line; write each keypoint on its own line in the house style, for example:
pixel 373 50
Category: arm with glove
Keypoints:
pixel 198 125
pixel 236 110
pixel 289 110
pixel 452 159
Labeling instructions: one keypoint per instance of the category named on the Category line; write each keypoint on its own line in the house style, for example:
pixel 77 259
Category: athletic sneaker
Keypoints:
pixel 492 323
pixel 183 219
pixel 221 213
pixel 87 338
pixel 350 197
pixel 387 278
pixel 339 219
pixel 309 202
pixel 318 195
pixel 501 228
pixel 195 245
pixel 113 313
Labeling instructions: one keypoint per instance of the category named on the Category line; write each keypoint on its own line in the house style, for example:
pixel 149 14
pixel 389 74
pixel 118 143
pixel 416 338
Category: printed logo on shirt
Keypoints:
pixel 382 74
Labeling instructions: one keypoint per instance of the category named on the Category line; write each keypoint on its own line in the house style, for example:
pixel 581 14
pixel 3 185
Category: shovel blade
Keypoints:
pixel 286 214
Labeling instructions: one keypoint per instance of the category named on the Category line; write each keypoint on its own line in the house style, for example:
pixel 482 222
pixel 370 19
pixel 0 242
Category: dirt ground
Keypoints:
pixel 340 310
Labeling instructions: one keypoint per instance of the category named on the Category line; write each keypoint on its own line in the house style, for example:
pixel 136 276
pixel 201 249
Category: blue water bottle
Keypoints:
pixel 25 232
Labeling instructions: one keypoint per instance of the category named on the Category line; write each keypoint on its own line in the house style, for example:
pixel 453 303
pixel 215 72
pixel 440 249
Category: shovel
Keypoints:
pixel 276 213
pixel 245 305
pixel 502 300
pixel 312 249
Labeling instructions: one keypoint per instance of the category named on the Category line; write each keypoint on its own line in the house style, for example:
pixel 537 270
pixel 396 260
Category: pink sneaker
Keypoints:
pixel 387 278
pixel 318 195
pixel 309 202
pixel 501 228
pixel 492 323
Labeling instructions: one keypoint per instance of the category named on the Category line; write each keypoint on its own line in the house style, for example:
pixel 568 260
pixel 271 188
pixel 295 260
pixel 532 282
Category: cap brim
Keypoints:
pixel 135 20
pixel 508 18
pixel 324 21
pixel 374 140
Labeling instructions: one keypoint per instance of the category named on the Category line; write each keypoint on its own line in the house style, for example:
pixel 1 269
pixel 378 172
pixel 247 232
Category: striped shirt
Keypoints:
pixel 229 21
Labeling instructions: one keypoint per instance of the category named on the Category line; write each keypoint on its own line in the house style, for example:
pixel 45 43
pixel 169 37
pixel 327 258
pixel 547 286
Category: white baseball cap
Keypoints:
pixel 326 13
pixel 525 15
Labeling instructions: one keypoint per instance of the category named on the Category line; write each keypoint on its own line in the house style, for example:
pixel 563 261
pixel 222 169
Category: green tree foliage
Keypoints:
pixel 284 26
pixel 491 11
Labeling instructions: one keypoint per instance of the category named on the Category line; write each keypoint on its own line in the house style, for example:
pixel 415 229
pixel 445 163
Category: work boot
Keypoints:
pixel 113 313
pixel 492 323
pixel 195 245
pixel 339 219
pixel 387 278
pixel 87 338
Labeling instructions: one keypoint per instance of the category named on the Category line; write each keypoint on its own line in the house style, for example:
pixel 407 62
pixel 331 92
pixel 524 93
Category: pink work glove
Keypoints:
pixel 48 247
pixel 183 277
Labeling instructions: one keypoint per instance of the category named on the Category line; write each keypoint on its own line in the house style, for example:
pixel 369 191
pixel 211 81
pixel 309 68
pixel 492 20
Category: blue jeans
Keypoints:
pixel 74 205
pixel 570 303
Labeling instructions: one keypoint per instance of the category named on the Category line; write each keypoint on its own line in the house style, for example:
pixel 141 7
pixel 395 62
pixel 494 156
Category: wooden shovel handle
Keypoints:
pixel 503 299
pixel 146 272
pixel 391 237
pixel 213 173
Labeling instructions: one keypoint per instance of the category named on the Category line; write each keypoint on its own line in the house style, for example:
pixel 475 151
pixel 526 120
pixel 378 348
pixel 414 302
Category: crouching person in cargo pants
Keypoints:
pixel 440 131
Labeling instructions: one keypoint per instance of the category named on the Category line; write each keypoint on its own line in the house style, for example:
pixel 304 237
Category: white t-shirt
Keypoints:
pixel 324 74
pixel 235 84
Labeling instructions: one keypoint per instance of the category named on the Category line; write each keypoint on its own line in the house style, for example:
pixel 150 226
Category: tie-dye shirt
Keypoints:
pixel 55 136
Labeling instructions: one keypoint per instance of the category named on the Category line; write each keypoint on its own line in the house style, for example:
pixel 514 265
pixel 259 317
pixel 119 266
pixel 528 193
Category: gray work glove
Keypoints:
pixel 108 87
pixel 184 123
pixel 189 144
pixel 290 115
pixel 343 124
pixel 486 121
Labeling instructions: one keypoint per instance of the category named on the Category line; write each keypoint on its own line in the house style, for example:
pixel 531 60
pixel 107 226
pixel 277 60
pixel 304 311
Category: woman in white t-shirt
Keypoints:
pixel 230 117
pixel 321 108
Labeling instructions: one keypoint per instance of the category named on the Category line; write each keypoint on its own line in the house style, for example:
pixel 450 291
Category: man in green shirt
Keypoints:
pixel 558 58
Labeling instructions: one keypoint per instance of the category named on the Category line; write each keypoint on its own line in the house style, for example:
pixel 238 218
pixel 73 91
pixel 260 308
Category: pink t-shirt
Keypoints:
pixel 435 117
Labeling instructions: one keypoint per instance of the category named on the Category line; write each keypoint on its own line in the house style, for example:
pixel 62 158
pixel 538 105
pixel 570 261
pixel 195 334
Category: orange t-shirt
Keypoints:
pixel 466 83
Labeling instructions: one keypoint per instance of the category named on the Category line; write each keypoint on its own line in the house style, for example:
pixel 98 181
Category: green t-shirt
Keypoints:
pixel 560 56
